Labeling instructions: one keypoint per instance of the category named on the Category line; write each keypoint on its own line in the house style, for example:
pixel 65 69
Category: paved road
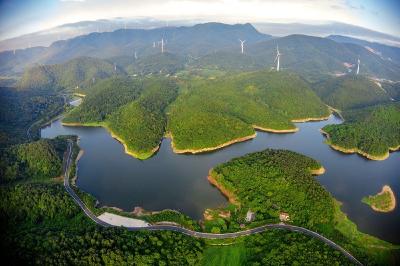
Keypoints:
pixel 67 164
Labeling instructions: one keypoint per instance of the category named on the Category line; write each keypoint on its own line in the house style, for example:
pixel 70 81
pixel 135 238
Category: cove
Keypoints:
pixel 179 181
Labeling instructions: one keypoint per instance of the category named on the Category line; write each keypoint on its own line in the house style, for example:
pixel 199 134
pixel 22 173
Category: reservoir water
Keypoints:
pixel 172 181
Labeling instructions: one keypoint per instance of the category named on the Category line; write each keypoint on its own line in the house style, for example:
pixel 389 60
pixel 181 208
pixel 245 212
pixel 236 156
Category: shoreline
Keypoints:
pixel 265 129
pixel 116 137
pixel 220 146
pixel 392 206
pixel 196 151
pixel 358 151
pixel 319 171
pixel 310 119
pixel 245 138
pixel 226 192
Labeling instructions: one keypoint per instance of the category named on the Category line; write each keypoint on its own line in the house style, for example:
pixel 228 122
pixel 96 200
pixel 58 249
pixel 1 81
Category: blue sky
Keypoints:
pixel 24 16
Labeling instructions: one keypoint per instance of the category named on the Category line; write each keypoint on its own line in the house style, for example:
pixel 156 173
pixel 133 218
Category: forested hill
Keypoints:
pixel 199 113
pixel 371 131
pixel 351 92
pixel 196 40
pixel 307 55
pixel 385 51
pixel 211 45
pixel 134 110
pixel 212 112
pixel 79 72
pixel 41 159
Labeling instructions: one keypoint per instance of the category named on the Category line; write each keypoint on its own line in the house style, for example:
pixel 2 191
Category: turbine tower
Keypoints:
pixel 115 67
pixel 278 55
pixel 358 66
pixel 135 55
pixel 242 45
pixel 162 45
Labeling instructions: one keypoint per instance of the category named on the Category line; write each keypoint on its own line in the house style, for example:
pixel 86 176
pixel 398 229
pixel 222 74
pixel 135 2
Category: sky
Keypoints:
pixel 19 17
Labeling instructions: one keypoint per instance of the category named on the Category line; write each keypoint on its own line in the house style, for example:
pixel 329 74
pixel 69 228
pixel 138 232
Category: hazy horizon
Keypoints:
pixel 24 17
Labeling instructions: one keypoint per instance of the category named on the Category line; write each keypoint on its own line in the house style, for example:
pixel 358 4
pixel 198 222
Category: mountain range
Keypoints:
pixel 213 46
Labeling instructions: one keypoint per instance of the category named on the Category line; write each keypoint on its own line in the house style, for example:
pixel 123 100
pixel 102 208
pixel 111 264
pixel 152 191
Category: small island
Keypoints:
pixel 384 201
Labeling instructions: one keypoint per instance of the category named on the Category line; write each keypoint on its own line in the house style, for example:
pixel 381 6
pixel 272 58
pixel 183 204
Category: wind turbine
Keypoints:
pixel 358 66
pixel 115 67
pixel 135 55
pixel 242 44
pixel 162 45
pixel 278 55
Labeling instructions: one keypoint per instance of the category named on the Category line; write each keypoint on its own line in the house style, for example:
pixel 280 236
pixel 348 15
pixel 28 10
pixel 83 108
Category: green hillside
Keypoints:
pixel 274 181
pixel 104 98
pixel 41 159
pixel 371 131
pixel 45 226
pixel 209 113
pixel 162 63
pixel 393 89
pixel 23 111
pixel 76 73
pixel 350 92
pixel 141 123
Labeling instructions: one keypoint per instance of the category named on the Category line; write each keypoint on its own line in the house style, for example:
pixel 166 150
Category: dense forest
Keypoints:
pixel 40 159
pixel 133 110
pixel 78 72
pixel 350 91
pixel 41 224
pixel 372 130
pixel 272 182
pixel 211 112
pixel 44 226
pixel 23 110
pixel 198 112
pixel 141 123
pixel 104 98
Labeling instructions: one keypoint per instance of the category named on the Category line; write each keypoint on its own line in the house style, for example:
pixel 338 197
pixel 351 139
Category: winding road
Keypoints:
pixel 260 229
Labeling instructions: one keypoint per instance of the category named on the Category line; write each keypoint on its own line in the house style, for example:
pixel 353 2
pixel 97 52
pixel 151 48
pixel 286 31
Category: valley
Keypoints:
pixel 179 129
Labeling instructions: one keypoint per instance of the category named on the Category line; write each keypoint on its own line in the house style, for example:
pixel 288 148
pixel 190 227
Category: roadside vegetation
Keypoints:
pixel 275 182
pixel 23 111
pixel 40 159
pixel 274 247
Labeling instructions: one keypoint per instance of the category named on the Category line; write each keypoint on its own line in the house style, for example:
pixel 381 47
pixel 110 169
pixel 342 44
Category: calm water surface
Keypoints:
pixel 172 181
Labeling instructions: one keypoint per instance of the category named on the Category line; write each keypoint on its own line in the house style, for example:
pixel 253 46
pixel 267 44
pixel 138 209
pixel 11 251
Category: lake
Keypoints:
pixel 172 181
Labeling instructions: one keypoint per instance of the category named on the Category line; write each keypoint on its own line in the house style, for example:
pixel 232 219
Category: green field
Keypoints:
pixel 231 255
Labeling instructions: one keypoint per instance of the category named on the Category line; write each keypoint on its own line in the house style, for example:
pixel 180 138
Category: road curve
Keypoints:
pixel 260 229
